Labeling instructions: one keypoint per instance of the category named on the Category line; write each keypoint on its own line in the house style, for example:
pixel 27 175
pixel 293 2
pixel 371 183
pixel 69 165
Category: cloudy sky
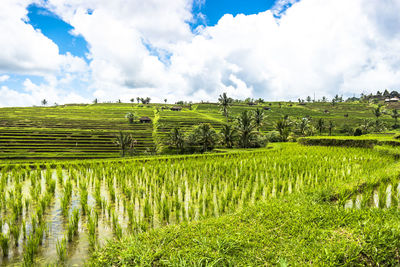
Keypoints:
pixel 70 51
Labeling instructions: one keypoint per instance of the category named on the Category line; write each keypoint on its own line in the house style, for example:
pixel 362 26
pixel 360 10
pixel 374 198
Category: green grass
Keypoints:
pixel 298 230
pixel 306 227
pixel 279 205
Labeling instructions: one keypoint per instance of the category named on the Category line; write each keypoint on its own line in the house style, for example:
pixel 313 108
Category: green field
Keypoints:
pixel 67 198
pixel 88 131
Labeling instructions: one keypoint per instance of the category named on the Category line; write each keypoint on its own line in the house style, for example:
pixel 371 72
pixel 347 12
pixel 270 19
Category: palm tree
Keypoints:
pixel 228 135
pixel 176 138
pixel 245 128
pixel 131 117
pixel 95 101
pixel 377 112
pixel 132 101
pixel 205 136
pixel 331 126
pixel 138 99
pixel 395 115
pixel 125 142
pixel 44 102
pixel 259 118
pixel 303 125
pixel 283 127
pixel 165 101
pixel 366 125
pixel 320 125
pixel 225 102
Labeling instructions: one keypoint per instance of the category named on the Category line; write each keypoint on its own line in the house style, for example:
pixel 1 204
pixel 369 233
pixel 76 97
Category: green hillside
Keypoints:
pixel 88 131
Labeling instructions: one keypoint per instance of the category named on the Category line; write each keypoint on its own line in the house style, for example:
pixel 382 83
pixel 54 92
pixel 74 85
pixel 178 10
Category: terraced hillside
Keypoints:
pixel 88 131
pixel 71 131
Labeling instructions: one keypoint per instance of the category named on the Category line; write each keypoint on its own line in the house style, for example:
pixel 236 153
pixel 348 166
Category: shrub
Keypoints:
pixel 273 136
pixel 358 132
pixel 366 143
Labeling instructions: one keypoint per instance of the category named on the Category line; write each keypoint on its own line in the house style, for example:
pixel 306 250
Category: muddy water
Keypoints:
pixel 79 249
pixel 374 199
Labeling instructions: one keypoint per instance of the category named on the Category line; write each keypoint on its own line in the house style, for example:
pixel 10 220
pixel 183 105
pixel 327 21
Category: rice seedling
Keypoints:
pixel 73 224
pixel 4 244
pixel 153 193
pixel 92 227
pixel 61 248
pixel 15 231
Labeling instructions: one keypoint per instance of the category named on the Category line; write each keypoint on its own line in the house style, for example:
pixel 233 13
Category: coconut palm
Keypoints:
pixel 331 126
pixel 228 135
pixel 176 138
pixel 395 115
pixel 225 102
pixel 320 125
pixel 246 129
pixel 366 125
pixel 377 112
pixel 44 102
pixel 205 136
pixel 303 125
pixel 131 117
pixel 259 117
pixel 125 142
pixel 283 127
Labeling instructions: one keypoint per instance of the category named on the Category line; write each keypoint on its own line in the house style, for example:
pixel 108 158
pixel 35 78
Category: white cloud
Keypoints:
pixel 146 48
pixel 4 78
pixel 24 50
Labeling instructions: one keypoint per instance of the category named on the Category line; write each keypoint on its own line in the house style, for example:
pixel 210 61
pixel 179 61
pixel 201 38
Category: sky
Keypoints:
pixel 73 51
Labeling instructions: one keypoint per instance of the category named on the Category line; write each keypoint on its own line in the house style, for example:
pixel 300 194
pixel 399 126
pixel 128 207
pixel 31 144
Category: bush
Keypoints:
pixel 366 143
pixel 358 132
pixel 259 140
pixel 273 136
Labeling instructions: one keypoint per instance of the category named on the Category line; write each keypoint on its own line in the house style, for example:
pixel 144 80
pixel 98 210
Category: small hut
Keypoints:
pixel 176 108
pixel 267 108
pixel 392 100
pixel 145 119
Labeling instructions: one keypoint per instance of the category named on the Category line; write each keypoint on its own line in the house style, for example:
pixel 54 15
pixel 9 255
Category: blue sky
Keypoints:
pixel 145 48
pixel 54 28
pixel 57 30
pixel 215 9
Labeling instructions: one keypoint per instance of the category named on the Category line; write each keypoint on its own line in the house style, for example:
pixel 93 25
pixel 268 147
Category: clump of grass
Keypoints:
pixel 92 227
pixel 73 224
pixel 4 244
pixel 61 248
pixel 116 227
pixel 15 232
pixel 84 196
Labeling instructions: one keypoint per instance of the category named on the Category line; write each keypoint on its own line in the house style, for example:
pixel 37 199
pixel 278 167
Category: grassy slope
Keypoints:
pixel 299 230
pixel 87 131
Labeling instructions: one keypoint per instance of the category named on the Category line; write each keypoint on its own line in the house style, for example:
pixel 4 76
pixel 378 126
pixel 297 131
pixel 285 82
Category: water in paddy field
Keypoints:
pixel 78 250
pixel 104 198
pixel 386 196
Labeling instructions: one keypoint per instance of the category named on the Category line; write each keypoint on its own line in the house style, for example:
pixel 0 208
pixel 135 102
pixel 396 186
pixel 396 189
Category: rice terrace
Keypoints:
pixel 264 184
pixel 199 133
